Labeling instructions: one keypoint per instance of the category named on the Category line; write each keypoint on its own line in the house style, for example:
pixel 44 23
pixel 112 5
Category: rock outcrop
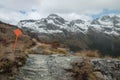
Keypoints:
pixel 54 67
pixel 107 69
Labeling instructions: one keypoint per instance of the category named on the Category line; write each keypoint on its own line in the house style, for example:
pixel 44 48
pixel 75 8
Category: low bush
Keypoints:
pixel 82 70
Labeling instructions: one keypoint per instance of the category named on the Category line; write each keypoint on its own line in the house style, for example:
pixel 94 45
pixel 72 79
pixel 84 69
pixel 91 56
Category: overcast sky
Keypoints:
pixel 12 11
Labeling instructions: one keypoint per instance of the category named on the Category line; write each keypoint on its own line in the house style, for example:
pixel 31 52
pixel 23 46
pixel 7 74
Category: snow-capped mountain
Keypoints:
pixel 107 24
pixel 56 24
pixel 102 33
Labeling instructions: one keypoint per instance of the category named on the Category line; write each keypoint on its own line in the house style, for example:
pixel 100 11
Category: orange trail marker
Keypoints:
pixel 17 32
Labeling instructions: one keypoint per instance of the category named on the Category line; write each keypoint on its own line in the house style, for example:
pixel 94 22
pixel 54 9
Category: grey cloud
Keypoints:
pixel 72 8
pixel 79 6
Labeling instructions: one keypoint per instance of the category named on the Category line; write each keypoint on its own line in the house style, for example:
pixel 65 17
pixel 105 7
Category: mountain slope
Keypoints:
pixel 7 38
pixel 102 34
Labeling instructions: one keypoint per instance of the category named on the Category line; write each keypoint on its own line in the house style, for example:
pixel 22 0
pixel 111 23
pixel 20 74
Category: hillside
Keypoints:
pixel 7 38
pixel 10 59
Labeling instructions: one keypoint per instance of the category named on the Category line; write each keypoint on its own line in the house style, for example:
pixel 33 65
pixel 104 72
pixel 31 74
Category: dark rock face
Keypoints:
pixel 105 43
pixel 109 68
pixel 53 67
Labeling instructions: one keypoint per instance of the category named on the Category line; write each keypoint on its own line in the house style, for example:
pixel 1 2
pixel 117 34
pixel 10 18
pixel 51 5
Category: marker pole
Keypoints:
pixel 15 42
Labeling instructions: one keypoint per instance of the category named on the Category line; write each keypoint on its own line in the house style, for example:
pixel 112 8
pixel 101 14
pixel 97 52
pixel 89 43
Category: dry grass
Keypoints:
pixel 88 53
pixel 44 46
pixel 118 57
pixel 47 49
pixel 55 51
pixel 107 56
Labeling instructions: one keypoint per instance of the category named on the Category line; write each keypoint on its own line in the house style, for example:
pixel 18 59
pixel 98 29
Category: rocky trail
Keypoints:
pixel 43 67
pixel 53 67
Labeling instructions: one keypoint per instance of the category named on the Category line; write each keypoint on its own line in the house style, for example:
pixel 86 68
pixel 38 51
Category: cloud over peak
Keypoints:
pixel 14 10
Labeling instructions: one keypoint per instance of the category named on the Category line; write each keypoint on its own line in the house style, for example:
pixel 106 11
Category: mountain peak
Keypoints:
pixel 54 16
pixel 107 17
pixel 57 19
pixel 78 21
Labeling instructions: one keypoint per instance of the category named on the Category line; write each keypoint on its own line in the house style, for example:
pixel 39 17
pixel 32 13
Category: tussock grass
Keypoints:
pixel 55 51
pixel 88 53
pixel 118 57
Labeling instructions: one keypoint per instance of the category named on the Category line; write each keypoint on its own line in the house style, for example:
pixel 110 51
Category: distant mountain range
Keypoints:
pixel 101 34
